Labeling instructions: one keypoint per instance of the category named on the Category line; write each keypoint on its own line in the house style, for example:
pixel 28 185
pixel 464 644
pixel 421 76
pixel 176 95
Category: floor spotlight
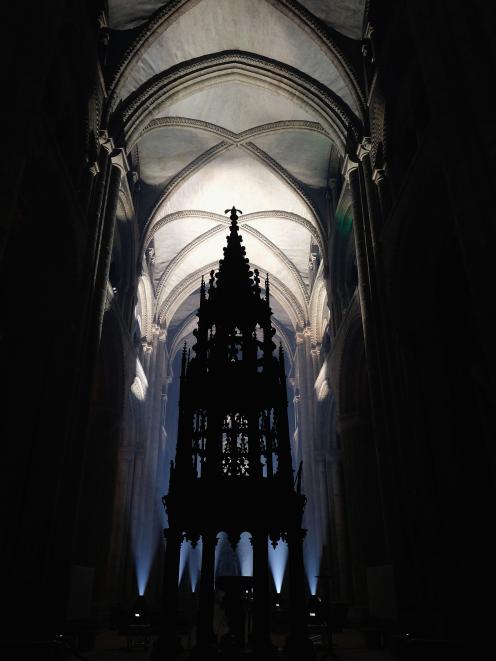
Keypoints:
pixel 138 629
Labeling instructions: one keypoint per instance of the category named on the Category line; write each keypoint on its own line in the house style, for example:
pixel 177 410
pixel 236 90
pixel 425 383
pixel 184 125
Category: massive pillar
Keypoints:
pixel 168 642
pixel 298 644
pixel 369 324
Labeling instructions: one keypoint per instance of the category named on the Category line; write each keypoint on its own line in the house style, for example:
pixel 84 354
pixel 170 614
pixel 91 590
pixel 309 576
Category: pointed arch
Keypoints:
pixel 325 38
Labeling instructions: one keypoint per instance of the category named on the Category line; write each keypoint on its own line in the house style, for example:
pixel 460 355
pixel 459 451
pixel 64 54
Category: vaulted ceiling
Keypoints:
pixel 236 102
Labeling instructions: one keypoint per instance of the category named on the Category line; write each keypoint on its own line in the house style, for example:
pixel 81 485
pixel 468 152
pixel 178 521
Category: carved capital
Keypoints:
pixel 105 140
pixel 348 166
pixel 119 159
pixel 93 168
pixel 104 36
pixel 364 148
pixel 146 346
pixel 378 176
pixel 102 20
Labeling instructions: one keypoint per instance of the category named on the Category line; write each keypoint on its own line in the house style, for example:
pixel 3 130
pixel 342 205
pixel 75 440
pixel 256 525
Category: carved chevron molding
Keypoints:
pixel 316 28
pixel 136 109
pixel 282 256
pixel 225 134
pixel 207 156
pixel 192 167
pixel 325 33
pixel 285 176
pixel 171 266
pixel 216 230
pixel 187 286
pixel 267 215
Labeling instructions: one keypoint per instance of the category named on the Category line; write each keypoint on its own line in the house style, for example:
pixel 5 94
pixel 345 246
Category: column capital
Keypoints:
pixel 105 140
pixel 378 175
pixel 300 338
pixel 159 331
pixel 147 346
pixel 349 165
pixel 93 168
pixel 119 159
pixel 364 147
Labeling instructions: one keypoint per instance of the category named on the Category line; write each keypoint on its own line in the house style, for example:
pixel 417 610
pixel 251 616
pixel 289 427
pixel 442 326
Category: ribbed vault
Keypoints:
pixel 245 102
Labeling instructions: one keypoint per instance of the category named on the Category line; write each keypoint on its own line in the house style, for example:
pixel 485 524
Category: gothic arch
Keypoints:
pixel 196 213
pixel 324 38
pixel 135 112
pixel 167 308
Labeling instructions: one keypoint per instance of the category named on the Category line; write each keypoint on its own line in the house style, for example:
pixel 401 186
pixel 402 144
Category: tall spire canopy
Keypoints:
pixel 233 467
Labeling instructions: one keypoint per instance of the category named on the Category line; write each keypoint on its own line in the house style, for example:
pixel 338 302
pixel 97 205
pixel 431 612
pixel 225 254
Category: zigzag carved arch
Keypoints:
pixel 208 215
pixel 282 174
pixel 225 134
pixel 210 154
pixel 192 245
pixel 168 307
pixel 188 171
pixel 135 111
pixel 326 39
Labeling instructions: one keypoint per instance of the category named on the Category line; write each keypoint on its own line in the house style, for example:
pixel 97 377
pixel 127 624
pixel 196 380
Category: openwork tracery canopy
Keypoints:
pixel 233 469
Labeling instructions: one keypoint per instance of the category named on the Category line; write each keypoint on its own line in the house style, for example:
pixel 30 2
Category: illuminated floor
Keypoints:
pixel 350 646
pixel 347 646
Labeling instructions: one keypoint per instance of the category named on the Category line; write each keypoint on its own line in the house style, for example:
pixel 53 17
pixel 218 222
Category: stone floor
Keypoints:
pixel 346 646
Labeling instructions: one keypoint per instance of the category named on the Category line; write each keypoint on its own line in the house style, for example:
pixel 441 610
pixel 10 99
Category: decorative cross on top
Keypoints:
pixel 233 211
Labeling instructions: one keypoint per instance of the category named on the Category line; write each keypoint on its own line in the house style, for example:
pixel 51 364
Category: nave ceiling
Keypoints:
pixel 244 102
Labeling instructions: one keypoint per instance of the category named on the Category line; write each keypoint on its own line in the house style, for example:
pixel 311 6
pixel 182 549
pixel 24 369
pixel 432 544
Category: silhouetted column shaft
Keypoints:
pixel 298 644
pixel 206 607
pixel 97 204
pixel 372 197
pixel 369 333
pixel 261 611
pixel 339 541
pixel 106 244
pixel 171 580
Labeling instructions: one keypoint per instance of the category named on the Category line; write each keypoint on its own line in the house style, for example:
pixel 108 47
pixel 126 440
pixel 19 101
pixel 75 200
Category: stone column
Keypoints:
pixel 168 644
pixel 340 589
pixel 298 645
pixel 369 324
pixel 371 194
pixel 261 612
pixel 99 193
pixel 107 239
pixel 311 488
pixel 153 469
